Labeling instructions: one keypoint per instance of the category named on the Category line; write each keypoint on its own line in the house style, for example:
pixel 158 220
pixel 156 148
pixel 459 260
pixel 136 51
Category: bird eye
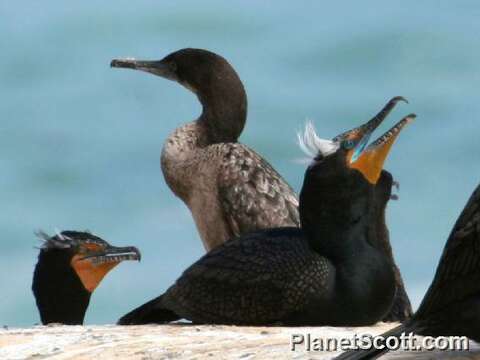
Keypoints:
pixel 349 144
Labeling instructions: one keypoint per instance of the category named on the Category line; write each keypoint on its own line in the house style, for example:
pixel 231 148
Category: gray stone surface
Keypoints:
pixel 183 342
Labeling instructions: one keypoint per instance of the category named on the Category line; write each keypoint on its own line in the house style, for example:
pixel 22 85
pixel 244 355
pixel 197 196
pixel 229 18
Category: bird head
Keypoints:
pixel 351 149
pixel 90 256
pixel 71 264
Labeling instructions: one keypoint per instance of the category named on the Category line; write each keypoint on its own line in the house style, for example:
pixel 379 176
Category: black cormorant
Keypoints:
pixel 70 266
pixel 331 271
pixel 229 188
pixel 451 306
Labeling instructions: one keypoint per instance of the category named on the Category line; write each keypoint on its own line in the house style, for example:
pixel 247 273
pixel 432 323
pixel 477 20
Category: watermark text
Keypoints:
pixel 406 342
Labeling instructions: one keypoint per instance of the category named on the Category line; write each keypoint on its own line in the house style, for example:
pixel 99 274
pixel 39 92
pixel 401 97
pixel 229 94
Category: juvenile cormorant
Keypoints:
pixel 331 271
pixel 229 188
pixel 70 266
pixel 451 306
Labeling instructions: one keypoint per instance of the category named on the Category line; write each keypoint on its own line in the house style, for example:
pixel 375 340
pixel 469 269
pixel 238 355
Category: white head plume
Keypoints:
pixel 312 145
pixel 58 241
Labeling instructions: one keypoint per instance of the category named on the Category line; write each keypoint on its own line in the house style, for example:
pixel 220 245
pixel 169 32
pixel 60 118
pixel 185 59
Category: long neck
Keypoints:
pixel 338 220
pixel 337 217
pixel 224 109
pixel 59 293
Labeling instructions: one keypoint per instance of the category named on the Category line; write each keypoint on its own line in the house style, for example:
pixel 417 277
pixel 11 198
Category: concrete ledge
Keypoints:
pixel 182 341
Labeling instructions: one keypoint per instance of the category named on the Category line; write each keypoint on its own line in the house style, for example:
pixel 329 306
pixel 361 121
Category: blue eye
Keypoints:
pixel 349 144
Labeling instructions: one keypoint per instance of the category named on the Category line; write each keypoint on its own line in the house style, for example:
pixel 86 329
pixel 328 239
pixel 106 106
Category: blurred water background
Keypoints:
pixel 80 142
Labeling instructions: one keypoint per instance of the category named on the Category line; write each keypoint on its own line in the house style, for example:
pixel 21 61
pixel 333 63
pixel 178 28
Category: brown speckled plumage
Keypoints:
pixel 229 188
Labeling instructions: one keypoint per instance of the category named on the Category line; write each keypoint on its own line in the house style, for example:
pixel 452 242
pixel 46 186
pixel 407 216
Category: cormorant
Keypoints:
pixel 331 271
pixel 70 266
pixel 451 306
pixel 229 188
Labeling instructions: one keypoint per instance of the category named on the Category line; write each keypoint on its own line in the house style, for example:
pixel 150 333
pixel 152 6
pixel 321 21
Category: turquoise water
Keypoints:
pixel 80 142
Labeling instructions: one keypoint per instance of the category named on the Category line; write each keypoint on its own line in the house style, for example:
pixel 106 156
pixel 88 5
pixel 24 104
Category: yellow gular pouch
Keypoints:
pixel 370 161
pixel 91 274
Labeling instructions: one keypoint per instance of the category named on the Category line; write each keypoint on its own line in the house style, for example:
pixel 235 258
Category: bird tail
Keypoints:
pixel 375 353
pixel 151 312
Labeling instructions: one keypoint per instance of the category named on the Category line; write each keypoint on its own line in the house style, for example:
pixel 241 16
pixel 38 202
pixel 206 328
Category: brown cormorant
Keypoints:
pixel 451 306
pixel 229 188
pixel 331 271
pixel 70 266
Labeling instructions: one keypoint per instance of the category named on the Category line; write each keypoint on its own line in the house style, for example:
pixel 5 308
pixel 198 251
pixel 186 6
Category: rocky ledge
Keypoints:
pixel 183 341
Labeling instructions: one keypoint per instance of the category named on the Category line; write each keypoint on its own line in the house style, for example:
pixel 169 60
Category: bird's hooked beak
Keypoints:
pixel 360 136
pixel 114 254
pixel 370 161
pixel 91 267
pixel 160 68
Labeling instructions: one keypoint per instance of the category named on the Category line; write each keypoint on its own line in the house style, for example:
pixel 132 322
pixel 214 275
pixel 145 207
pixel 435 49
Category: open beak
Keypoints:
pixel 159 67
pixel 370 161
pixel 91 269
pixel 361 135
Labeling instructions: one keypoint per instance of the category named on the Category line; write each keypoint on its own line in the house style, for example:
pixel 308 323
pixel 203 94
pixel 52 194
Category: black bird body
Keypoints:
pixel 452 303
pixel 332 271
pixel 274 276
pixel 451 306
pixel 229 188
pixel 246 285
pixel 70 266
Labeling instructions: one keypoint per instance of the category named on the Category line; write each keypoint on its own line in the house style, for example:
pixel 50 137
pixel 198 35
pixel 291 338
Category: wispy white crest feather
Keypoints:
pixel 60 241
pixel 312 145
pixel 59 234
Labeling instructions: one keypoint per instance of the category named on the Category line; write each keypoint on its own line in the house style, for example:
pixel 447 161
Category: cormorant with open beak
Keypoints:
pixel 70 266
pixel 451 306
pixel 229 188
pixel 331 271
